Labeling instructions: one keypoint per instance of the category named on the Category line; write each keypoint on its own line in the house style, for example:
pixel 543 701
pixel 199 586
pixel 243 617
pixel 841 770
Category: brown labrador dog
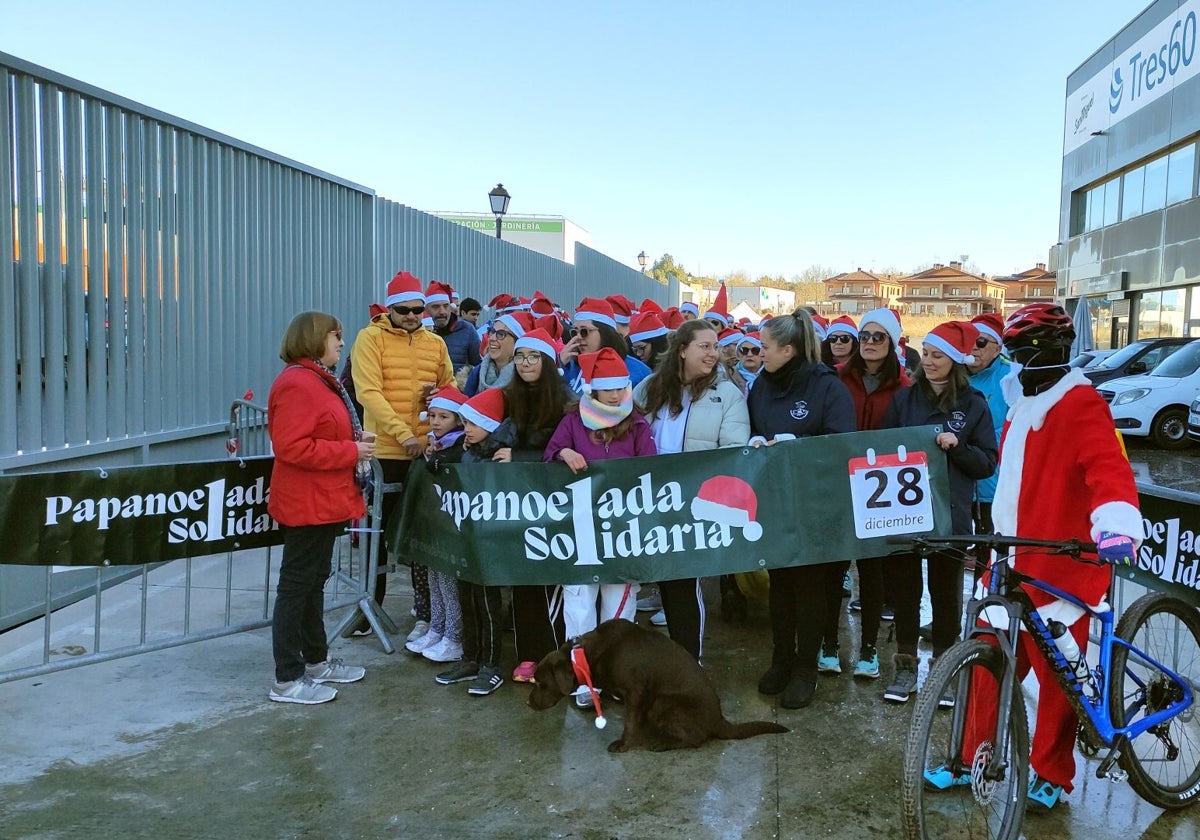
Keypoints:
pixel 669 703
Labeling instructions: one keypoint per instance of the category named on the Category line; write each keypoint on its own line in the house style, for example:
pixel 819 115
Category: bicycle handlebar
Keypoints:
pixel 1072 547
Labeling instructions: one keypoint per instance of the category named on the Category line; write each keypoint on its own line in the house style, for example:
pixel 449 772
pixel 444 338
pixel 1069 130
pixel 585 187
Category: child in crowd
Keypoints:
pixel 603 425
pixel 443 641
pixel 485 432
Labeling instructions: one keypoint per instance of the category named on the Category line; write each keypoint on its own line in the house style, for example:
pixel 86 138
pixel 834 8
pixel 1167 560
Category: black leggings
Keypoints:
pixel 798 605
pixel 903 575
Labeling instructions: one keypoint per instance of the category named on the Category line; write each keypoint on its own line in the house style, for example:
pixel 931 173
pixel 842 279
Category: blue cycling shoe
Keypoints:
pixel 1042 795
pixel 940 778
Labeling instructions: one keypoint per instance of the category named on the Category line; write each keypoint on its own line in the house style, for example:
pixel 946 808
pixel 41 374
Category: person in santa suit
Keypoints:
pixel 1063 474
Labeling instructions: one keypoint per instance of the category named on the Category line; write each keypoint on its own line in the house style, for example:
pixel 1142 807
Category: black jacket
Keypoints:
pixel 976 454
pixel 804 400
pixel 505 435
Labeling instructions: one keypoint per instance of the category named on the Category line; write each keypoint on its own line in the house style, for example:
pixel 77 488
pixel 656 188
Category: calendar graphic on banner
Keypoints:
pixel 890 494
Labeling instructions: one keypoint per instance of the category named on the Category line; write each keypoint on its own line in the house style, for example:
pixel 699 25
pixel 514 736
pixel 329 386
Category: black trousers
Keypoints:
pixel 799 611
pixel 903 579
pixel 298 623
pixel 833 600
pixel 536 630
pixel 683 605
pixel 870 594
pixel 482 622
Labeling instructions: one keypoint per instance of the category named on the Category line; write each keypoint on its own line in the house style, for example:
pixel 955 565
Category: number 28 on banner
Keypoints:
pixel 890 494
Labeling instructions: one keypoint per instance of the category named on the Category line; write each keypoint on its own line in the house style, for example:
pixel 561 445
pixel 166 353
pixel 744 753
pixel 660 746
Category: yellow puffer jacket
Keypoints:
pixel 389 367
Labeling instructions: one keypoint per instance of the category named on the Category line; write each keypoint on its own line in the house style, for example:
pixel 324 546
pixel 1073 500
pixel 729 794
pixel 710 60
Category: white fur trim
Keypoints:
pixel 688 306
pixel 884 318
pixel 1118 518
pixel 717 316
pixel 392 300
pixel 527 343
pixel 721 514
pixel 989 332
pixel 648 334
pixel 598 317
pixel 607 383
pixel 478 418
pixel 841 328
pixel 514 326
pixel 440 297
pixel 445 405
pixel 937 342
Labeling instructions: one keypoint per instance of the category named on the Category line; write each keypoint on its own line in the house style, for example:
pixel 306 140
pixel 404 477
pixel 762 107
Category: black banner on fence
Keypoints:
pixel 1169 557
pixel 131 515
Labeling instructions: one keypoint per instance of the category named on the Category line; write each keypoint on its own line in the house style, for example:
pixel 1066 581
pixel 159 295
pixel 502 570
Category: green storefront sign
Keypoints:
pixel 510 224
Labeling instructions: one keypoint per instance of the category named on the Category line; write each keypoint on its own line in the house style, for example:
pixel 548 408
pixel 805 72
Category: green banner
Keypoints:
pixel 1169 557
pixel 132 515
pixel 812 500
pixel 510 224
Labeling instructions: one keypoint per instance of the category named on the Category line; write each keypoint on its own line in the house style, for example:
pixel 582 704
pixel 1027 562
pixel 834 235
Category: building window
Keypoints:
pixel 1154 193
pixel 1181 165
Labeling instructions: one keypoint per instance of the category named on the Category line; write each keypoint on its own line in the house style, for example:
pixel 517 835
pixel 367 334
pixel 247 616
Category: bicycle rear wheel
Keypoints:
pixel 1163 763
pixel 983 808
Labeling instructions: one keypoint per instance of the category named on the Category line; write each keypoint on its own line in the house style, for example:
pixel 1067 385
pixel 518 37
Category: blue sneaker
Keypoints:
pixel 828 662
pixel 940 778
pixel 1042 795
pixel 868 664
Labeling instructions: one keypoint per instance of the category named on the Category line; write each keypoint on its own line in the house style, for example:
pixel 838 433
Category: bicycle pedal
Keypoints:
pixel 1116 776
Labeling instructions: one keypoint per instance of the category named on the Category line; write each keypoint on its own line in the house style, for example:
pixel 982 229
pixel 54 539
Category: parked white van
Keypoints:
pixel 1155 404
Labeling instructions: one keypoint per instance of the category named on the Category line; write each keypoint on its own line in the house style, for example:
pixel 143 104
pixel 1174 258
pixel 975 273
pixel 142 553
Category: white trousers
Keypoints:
pixel 579 605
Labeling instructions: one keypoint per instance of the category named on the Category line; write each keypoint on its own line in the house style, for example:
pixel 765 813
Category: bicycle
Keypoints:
pixel 1144 714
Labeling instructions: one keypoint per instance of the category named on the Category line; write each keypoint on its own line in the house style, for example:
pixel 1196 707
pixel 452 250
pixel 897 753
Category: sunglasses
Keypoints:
pixel 522 359
pixel 749 351
pixel 407 310
pixel 584 332
pixel 840 338
pixel 500 335
pixel 981 342
pixel 868 337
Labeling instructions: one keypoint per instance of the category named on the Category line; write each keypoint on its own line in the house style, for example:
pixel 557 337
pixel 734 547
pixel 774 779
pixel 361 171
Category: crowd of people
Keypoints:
pixel 425 386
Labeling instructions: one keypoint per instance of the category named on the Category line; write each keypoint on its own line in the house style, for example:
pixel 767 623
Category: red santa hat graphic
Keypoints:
pixel 728 500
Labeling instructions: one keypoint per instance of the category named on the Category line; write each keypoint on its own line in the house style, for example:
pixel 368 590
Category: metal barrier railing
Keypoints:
pixel 247 429
pixel 196 599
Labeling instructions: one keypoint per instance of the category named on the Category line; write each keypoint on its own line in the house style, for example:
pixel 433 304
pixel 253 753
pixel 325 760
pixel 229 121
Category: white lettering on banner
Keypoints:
pixel 1169 552
pixel 221 512
pixel 1159 61
pixel 890 494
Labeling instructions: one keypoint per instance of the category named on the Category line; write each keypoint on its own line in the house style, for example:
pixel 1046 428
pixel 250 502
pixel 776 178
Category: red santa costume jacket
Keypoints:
pixel 1063 474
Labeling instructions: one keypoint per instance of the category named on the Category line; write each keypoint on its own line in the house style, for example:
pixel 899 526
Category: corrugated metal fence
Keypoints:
pixel 155 264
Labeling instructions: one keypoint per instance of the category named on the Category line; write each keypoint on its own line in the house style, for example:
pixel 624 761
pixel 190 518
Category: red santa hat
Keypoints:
pixel 541 305
pixel 750 339
pixel 553 326
pixel 645 326
pixel 689 306
pixel 583 675
pixel 538 340
pixel 820 325
pixel 720 308
pixel 650 306
pixel 604 370
pixel 503 302
pixel 596 309
pixel 448 398
pixel 990 325
pixel 842 324
pixel 403 287
pixel 622 308
pixel 517 323
pixel 525 302
pixel 485 409
pixel 885 318
pixel 729 336
pixel 438 292
pixel 727 500
pixel 956 339
pixel 672 318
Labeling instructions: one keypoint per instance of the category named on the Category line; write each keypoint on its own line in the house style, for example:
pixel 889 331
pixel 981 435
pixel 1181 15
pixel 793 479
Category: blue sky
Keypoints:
pixel 763 137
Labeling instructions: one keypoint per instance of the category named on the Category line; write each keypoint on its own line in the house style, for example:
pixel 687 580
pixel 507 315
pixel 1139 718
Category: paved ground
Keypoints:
pixel 183 743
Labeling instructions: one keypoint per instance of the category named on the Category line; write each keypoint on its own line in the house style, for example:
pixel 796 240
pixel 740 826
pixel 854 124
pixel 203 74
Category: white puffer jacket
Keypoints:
pixel 718 419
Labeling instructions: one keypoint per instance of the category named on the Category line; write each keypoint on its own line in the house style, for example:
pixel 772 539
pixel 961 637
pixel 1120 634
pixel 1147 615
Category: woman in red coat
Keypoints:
pixel 317 442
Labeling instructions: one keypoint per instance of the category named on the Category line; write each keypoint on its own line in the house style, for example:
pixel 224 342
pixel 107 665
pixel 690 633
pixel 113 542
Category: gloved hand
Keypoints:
pixel 1116 549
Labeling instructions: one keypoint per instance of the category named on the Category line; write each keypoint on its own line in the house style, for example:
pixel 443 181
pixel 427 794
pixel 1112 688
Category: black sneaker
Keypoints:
pixel 800 689
pixel 776 679
pixel 460 672
pixel 856 605
pixel 486 681
pixel 904 683
pixel 887 613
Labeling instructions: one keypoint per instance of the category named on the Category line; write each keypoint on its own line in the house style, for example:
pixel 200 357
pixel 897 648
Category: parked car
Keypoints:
pixel 1090 358
pixel 1156 404
pixel 1141 356
pixel 1194 421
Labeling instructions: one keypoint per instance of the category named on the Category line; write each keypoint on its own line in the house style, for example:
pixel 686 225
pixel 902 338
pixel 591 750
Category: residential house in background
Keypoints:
pixel 950 291
pixel 858 291
pixel 1035 285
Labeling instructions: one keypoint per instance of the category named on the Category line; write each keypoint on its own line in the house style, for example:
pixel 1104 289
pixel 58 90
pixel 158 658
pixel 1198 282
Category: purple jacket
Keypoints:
pixel 572 434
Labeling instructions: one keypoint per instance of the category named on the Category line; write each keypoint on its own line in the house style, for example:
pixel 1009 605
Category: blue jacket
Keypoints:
pixel 637 372
pixel 987 382
pixel 805 400
pixel 974 457
pixel 462 342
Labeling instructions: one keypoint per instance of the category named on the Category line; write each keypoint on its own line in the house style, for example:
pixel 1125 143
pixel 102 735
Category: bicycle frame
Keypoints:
pixel 1090 699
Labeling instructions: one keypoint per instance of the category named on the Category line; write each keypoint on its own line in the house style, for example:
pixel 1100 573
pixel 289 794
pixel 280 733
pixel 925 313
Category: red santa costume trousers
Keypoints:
pixel 1053 753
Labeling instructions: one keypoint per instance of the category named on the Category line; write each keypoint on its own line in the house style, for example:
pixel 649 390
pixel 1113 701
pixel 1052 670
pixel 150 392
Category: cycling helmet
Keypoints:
pixel 1039 325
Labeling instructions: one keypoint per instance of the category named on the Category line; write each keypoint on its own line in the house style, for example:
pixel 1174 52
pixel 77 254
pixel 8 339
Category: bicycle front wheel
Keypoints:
pixel 967 804
pixel 1163 763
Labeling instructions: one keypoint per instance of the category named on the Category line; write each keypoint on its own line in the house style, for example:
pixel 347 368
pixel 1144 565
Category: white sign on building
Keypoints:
pixel 554 236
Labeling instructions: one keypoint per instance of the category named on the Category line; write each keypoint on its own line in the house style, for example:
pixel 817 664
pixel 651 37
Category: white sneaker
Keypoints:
pixel 303 690
pixel 446 650
pixel 419 630
pixel 424 643
pixel 659 619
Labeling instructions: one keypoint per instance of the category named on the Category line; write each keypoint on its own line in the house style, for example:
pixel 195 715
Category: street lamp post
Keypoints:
pixel 642 261
pixel 499 198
